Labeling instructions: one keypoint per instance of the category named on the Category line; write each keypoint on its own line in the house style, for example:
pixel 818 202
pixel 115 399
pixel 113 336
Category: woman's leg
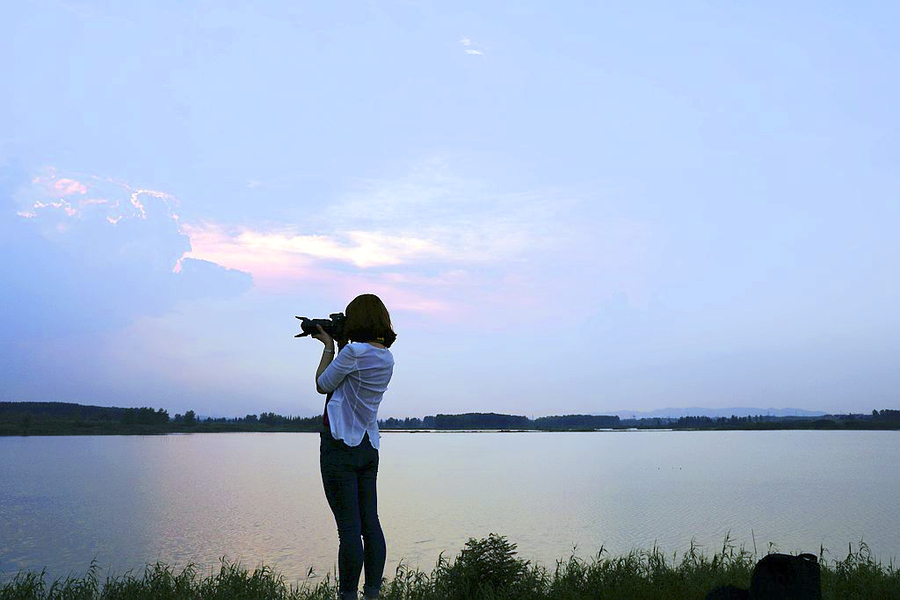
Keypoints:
pixel 339 477
pixel 375 549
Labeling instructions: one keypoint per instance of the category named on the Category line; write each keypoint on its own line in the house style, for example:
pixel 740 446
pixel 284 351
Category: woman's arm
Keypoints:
pixel 327 355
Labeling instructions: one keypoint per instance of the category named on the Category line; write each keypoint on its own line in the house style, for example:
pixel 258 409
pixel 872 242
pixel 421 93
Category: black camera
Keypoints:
pixel 333 326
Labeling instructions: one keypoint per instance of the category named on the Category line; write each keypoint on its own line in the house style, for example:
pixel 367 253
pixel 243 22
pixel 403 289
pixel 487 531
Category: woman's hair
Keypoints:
pixel 368 320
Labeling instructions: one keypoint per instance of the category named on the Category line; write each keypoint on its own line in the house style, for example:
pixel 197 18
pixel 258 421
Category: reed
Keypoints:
pixel 485 569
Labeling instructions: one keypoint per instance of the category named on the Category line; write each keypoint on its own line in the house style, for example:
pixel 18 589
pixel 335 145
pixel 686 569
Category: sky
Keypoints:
pixel 566 207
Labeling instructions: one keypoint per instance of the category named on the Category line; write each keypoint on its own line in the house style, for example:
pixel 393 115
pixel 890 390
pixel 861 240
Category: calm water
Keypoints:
pixel 257 497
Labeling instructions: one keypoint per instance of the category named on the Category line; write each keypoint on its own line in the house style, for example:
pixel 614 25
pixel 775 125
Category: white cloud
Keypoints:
pixel 469 49
pixel 363 249
pixel 464 220
pixel 431 239
pixel 437 242
pixel 100 257
pixel 89 197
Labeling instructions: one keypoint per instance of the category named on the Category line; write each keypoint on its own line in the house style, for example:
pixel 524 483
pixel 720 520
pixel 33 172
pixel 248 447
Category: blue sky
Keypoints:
pixel 566 207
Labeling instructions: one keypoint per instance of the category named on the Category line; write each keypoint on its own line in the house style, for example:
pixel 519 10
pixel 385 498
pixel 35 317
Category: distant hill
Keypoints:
pixel 699 411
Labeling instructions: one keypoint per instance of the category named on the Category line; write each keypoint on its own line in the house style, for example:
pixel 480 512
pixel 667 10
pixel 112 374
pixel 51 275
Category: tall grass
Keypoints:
pixel 485 569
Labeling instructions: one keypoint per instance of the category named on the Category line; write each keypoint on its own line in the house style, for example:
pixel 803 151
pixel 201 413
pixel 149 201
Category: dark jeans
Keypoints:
pixel 348 474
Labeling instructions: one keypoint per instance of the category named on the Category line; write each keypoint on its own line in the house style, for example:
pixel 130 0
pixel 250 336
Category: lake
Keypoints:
pixel 257 497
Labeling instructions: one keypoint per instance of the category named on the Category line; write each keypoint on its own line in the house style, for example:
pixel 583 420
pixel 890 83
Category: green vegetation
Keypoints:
pixel 485 569
pixel 59 418
pixel 885 419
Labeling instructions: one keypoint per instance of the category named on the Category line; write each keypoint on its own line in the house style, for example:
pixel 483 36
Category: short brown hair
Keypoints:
pixel 368 320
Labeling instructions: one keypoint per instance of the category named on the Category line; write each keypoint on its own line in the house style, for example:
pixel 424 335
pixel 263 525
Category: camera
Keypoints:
pixel 333 325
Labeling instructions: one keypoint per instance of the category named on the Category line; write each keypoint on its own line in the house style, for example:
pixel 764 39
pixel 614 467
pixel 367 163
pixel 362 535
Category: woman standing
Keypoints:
pixel 355 381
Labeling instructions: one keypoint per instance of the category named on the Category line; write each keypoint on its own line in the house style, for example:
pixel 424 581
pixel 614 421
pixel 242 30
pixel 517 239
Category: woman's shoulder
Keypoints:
pixel 360 348
pixel 364 346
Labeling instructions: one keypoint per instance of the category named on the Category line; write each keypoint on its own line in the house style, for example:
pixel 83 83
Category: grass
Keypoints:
pixel 486 569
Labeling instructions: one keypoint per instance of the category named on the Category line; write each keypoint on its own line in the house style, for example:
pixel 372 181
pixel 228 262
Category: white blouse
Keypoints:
pixel 358 376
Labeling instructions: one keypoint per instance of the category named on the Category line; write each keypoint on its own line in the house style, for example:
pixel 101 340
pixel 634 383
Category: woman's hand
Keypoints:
pixel 323 337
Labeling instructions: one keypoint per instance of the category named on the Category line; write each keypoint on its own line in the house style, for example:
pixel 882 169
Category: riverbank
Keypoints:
pixel 485 569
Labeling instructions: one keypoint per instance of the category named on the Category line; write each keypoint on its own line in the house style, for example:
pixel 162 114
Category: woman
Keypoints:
pixel 355 381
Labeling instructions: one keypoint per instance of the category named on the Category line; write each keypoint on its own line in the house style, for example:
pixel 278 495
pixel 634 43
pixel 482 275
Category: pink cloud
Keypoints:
pixel 452 271
pixel 67 187
pixel 268 264
pixel 279 265
pixel 62 204
pixel 399 297
pixel 167 199
pixel 137 204
pixel 55 191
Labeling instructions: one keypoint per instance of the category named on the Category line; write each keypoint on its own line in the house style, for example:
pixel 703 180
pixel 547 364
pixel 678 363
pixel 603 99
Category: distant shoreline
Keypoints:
pixel 201 429
pixel 58 418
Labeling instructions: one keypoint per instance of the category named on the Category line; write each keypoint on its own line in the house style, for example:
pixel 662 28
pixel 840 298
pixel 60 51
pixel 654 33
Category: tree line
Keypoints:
pixel 64 418
pixel 468 421
pixel 61 418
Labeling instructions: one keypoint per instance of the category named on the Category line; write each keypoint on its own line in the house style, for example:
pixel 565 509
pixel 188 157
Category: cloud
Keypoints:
pixel 98 258
pixel 276 248
pixel 67 187
pixel 438 243
pixel 282 260
pixel 467 45
pixel 112 200
pixel 428 220
pixel 431 241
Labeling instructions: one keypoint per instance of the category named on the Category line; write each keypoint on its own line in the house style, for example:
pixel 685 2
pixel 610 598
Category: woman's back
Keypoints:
pixel 358 376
